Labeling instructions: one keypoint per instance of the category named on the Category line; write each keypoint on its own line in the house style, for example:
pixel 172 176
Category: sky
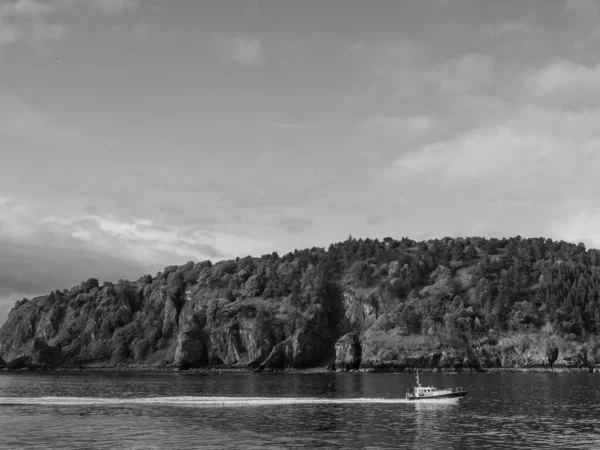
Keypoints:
pixel 136 134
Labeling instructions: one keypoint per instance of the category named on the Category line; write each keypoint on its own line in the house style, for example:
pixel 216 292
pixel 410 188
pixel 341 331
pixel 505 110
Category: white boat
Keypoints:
pixel 431 393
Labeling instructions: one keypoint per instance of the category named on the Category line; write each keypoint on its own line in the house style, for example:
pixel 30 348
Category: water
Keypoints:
pixel 264 411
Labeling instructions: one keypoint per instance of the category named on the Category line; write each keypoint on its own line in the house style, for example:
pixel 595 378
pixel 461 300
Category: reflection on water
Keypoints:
pixel 296 411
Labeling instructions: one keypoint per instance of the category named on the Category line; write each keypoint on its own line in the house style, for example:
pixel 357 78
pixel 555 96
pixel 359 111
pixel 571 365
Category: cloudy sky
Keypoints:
pixel 135 134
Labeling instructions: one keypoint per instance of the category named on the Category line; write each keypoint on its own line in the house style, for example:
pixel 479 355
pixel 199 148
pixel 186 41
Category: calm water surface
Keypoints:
pixel 262 411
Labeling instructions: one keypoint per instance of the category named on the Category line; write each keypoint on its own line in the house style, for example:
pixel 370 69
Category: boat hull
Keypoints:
pixel 412 398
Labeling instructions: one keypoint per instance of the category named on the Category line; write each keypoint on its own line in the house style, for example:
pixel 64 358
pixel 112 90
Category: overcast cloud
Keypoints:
pixel 136 134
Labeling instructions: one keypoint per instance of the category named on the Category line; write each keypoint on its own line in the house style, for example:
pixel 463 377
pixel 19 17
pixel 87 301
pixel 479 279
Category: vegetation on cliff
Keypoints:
pixel 362 303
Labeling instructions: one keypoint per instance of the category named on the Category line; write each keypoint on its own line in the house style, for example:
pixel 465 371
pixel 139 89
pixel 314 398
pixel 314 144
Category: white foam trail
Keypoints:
pixel 208 401
pixel 193 401
pixel 434 401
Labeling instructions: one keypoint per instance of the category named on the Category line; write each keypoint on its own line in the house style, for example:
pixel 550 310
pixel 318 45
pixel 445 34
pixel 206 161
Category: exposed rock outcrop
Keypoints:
pixel 19 329
pixel 42 354
pixel 359 312
pixel 18 363
pixel 191 350
pixel 37 354
pixel 379 351
pixel 310 345
pixel 348 352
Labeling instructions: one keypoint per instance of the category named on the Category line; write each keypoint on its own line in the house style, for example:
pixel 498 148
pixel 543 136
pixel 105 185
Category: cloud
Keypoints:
pixel 31 20
pixel 479 154
pixel 25 9
pixel 565 78
pixel 242 50
pixel 498 150
pixel 531 141
pixel 9 34
pixel 140 240
pixel 26 20
pixel 139 243
pixel 577 225
pixel 405 70
pixel 586 10
pixel 103 6
pixel 388 53
pixel 474 109
pixel 399 125
pixel 37 257
pixel 19 119
pixel 464 74
pixel 295 225
pixel 279 190
pixel 380 138
pixel 389 67
pixel 42 32
pixel 140 32
pixel 116 6
pixel 296 125
pixel 510 29
pixel 520 173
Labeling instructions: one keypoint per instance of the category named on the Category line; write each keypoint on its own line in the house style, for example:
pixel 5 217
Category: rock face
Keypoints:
pixel 368 351
pixel 310 345
pixel 348 352
pixel 42 354
pixel 19 329
pixel 18 363
pixel 192 341
pixel 361 304
pixel 359 312
pixel 192 325
pixel 102 327
pixel 37 354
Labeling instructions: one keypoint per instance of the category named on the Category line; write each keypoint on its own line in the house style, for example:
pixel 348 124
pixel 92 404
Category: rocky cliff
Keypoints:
pixel 371 305
pixel 512 351
pixel 173 318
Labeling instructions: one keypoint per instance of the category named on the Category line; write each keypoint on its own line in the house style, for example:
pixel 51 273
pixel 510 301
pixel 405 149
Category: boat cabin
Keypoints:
pixel 421 391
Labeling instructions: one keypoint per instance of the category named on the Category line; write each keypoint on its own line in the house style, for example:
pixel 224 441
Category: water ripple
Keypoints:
pixel 264 411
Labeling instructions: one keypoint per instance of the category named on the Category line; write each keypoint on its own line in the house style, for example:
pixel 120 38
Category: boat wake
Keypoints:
pixel 192 401
pixel 202 401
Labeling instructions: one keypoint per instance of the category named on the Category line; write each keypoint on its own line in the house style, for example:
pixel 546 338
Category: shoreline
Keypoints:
pixel 315 370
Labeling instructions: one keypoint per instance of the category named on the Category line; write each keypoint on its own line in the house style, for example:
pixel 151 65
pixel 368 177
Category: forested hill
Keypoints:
pixel 444 303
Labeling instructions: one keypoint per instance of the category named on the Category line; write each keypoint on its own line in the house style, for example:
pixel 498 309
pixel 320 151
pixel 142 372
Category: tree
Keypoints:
pixel 588 358
pixel 272 283
pixel 90 284
pixel 458 250
pixel 229 296
pixel 361 273
pixel 175 285
pixel 254 286
pixel 470 252
pixel 551 354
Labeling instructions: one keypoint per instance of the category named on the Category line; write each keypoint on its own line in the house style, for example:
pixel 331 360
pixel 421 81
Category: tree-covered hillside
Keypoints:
pixel 388 303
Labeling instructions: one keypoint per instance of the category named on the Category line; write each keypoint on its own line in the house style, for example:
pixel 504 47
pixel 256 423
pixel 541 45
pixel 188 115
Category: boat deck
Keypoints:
pixel 430 392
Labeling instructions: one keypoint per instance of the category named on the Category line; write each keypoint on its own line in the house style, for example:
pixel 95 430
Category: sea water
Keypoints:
pixel 262 411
